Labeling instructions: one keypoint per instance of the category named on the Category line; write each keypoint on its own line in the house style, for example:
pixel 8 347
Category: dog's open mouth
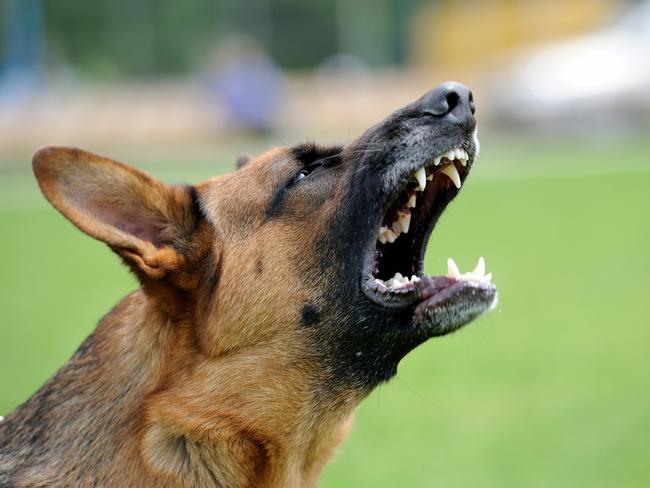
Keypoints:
pixel 395 277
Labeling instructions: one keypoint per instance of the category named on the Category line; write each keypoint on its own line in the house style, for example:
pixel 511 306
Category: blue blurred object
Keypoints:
pixel 249 87
pixel 23 53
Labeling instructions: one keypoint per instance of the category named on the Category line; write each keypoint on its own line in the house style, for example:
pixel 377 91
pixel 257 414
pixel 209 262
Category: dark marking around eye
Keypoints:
pixel 310 315
pixel 310 152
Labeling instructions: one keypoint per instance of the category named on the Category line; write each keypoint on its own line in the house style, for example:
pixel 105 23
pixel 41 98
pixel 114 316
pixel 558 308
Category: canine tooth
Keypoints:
pixel 411 202
pixel 479 271
pixel 430 177
pixel 415 279
pixel 397 227
pixel 452 269
pixel 463 161
pixel 436 161
pixel 421 176
pixel 404 221
pixel 451 171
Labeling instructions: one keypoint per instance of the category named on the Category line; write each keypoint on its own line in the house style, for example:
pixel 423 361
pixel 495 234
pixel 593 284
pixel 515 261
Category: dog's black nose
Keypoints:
pixel 452 101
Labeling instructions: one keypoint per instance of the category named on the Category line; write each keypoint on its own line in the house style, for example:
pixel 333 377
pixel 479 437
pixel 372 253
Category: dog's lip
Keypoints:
pixel 429 291
pixel 449 303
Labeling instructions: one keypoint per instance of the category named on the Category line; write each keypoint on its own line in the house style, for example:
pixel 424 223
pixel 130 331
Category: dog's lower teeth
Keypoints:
pixel 397 281
pixel 477 275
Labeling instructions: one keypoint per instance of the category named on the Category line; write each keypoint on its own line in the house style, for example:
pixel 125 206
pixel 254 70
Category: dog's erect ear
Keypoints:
pixel 147 222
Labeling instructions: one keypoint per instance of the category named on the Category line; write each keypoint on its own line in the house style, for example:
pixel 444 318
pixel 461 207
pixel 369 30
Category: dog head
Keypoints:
pixel 311 253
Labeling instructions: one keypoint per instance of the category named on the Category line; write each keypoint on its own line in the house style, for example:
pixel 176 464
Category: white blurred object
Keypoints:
pixel 602 74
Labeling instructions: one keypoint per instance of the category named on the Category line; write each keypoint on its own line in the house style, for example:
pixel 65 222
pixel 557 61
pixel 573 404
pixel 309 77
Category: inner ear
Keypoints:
pixel 149 223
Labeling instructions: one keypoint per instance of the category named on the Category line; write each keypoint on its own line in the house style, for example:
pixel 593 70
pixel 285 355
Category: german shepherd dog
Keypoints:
pixel 273 300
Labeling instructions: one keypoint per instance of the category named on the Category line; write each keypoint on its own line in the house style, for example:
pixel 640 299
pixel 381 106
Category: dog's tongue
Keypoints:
pixel 436 291
pixel 429 286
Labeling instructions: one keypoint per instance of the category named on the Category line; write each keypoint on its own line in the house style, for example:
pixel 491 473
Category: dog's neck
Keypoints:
pixel 140 390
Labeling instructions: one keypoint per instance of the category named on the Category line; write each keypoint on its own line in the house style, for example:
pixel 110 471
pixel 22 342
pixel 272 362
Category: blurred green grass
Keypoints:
pixel 551 389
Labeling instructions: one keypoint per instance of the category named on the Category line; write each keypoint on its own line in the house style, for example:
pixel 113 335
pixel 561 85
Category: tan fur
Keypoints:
pixel 202 377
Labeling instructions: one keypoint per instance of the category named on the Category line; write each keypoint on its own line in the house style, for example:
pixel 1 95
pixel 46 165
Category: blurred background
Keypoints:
pixel 551 389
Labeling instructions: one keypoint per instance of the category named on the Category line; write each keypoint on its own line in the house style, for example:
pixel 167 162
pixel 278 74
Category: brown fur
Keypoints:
pixel 202 377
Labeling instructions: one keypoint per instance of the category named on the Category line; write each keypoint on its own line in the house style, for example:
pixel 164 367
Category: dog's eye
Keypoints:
pixel 303 173
pixel 315 166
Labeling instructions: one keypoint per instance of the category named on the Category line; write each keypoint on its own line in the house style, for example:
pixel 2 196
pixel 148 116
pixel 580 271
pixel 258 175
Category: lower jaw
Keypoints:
pixel 390 298
pixel 441 304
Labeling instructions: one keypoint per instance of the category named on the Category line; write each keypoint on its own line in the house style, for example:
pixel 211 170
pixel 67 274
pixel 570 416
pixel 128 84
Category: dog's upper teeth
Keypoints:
pixel 411 202
pixel 451 171
pixel 404 221
pixel 463 156
pixel 391 236
pixel 450 155
pixel 386 235
pixel 458 153
pixel 421 176
pixel 477 275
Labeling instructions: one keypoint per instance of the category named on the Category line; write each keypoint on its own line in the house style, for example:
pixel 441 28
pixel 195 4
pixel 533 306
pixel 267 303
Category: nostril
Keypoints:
pixel 452 100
